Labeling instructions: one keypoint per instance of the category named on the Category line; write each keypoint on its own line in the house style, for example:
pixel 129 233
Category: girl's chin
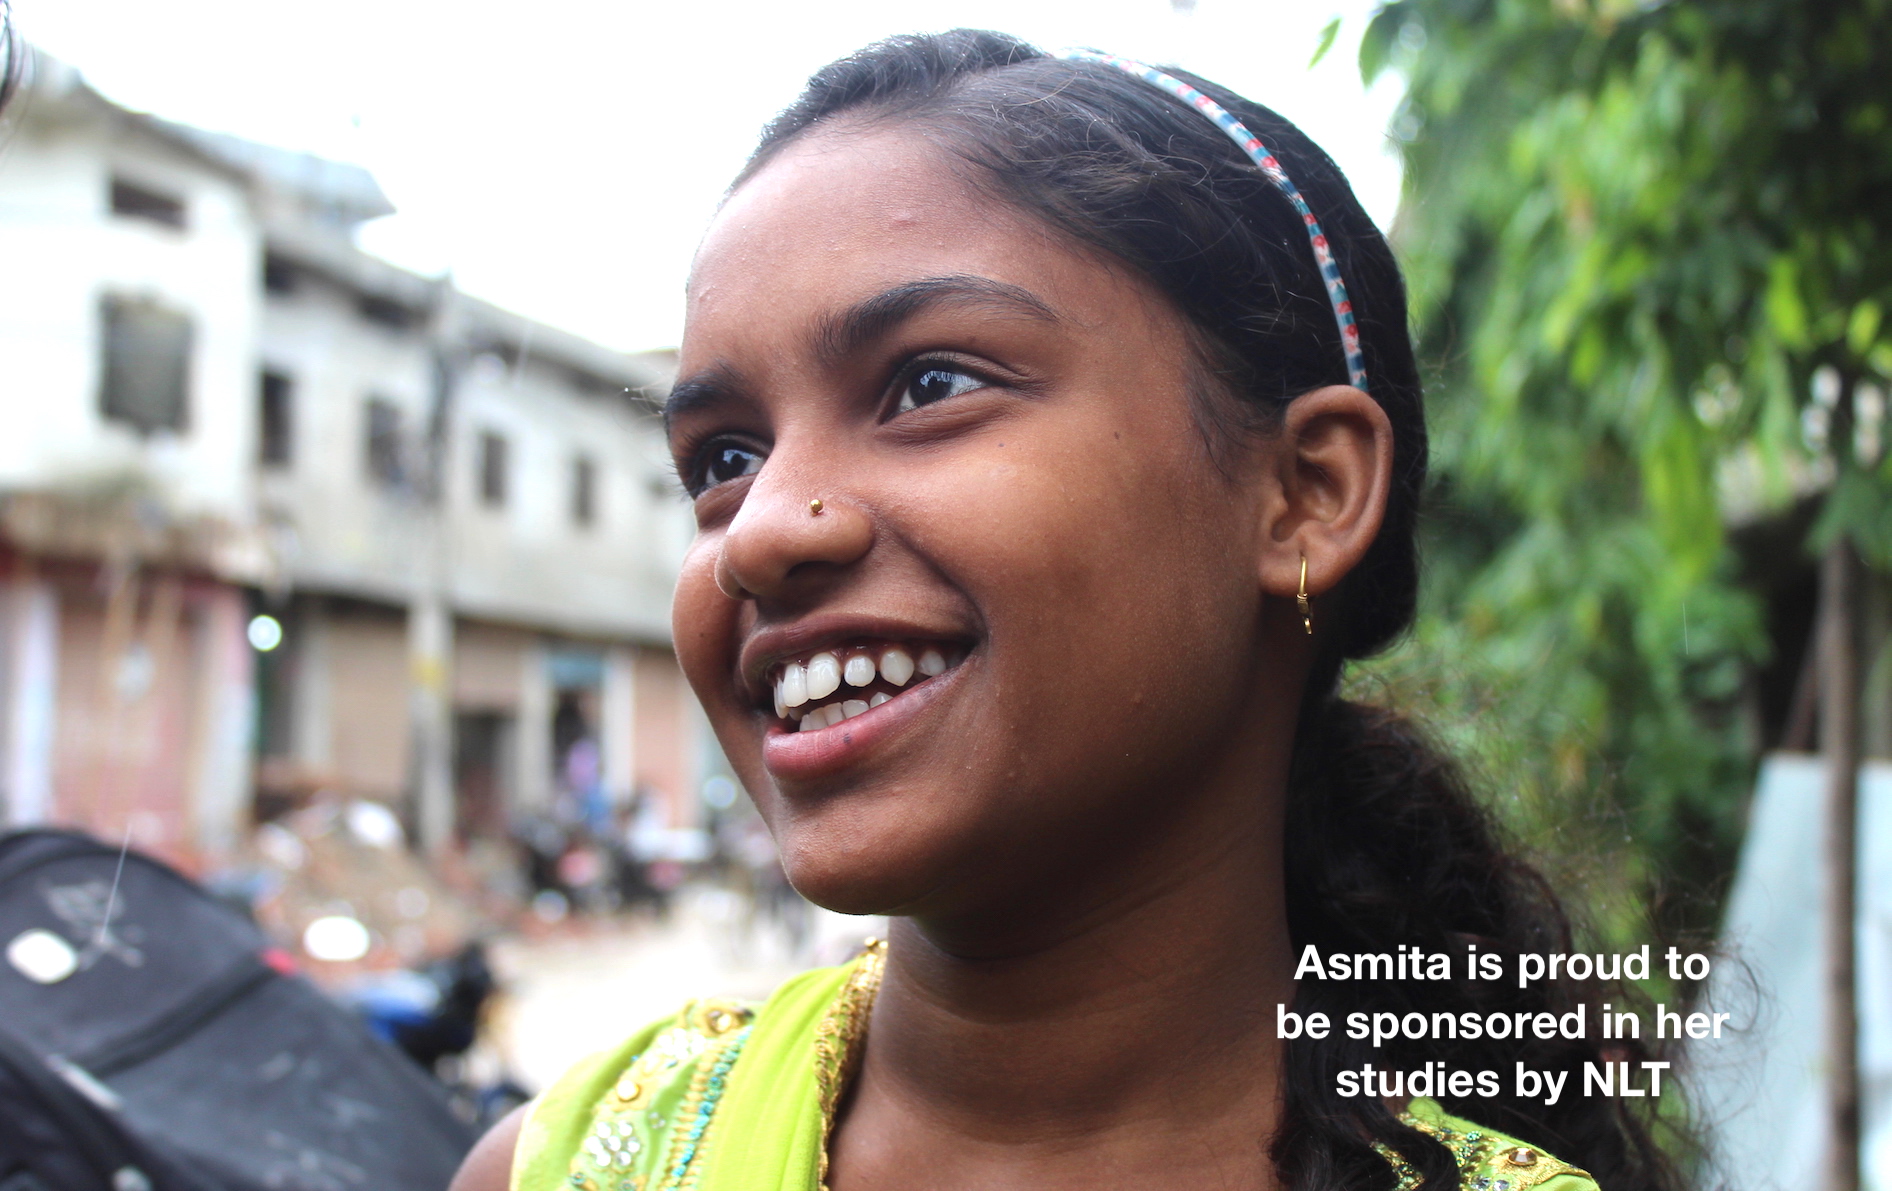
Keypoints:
pixel 855 889
pixel 847 877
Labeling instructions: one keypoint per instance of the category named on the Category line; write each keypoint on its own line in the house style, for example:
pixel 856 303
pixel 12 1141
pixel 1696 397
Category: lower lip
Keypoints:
pixel 793 755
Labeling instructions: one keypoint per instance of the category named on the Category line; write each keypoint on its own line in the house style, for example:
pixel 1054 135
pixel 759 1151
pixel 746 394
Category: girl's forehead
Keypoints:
pixel 842 191
pixel 839 215
pixel 898 163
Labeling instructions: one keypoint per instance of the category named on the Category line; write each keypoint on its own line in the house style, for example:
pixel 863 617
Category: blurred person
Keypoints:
pixel 648 839
pixel 1055 438
pixel 584 786
pixel 585 876
pixel 634 889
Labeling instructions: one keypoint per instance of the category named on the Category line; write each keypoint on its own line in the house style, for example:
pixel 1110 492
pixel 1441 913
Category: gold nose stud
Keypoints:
pixel 814 506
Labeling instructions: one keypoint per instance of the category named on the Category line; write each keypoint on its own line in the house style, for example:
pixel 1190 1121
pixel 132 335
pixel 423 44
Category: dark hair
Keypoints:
pixel 1386 844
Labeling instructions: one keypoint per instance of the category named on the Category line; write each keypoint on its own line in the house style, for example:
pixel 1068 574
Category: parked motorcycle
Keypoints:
pixel 151 1039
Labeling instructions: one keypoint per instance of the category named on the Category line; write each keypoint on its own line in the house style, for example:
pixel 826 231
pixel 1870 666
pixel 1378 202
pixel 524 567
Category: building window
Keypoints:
pixel 139 202
pixel 383 450
pixel 384 312
pixel 494 469
pixel 279 276
pixel 584 491
pixel 590 383
pixel 145 373
pixel 275 446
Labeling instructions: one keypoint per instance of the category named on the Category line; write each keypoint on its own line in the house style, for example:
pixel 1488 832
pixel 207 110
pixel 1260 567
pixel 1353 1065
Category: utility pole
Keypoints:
pixel 430 608
pixel 1838 646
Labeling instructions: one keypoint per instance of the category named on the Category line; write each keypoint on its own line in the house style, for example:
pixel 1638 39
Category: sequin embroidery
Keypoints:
pixel 1486 1162
pixel 679 1077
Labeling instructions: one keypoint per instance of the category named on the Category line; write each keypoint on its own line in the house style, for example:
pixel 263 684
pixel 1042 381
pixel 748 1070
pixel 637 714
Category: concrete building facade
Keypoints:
pixel 456 524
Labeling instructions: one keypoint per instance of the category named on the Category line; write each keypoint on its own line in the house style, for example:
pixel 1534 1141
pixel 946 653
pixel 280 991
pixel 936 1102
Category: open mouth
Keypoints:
pixel 837 684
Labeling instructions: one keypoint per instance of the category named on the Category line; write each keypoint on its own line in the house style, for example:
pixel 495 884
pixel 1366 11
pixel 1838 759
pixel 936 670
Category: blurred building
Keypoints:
pixel 278 516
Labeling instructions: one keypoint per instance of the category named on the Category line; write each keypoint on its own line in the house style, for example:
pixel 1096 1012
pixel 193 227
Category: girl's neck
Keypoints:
pixel 1127 1027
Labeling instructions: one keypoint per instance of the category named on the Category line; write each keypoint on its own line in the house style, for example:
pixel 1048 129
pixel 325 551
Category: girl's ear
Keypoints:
pixel 1333 469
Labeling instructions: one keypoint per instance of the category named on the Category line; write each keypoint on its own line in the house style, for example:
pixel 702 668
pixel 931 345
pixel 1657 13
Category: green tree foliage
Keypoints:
pixel 1650 248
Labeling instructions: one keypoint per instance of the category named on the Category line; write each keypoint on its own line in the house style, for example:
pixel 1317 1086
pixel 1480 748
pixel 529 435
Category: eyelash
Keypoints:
pixel 694 474
pixel 929 366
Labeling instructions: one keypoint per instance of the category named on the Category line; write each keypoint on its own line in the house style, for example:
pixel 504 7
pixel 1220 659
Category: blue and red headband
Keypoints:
pixel 1258 152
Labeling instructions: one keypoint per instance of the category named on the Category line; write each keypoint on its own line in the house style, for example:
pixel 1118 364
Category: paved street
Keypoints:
pixel 588 983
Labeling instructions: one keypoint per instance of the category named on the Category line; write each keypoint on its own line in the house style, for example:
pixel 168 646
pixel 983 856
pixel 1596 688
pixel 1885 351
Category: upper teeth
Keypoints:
pixel 896 667
pixel 819 676
pixel 824 676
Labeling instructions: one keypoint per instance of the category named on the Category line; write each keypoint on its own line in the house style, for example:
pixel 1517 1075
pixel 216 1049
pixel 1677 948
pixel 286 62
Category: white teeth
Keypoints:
pixel 826 716
pixel 896 666
pixel 824 675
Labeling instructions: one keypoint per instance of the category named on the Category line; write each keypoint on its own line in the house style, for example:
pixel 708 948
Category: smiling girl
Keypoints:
pixel 1055 438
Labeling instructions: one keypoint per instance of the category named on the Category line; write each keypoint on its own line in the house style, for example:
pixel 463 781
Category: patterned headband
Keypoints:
pixel 1258 152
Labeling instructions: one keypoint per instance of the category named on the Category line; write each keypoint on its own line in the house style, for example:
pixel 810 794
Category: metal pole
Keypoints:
pixel 1840 745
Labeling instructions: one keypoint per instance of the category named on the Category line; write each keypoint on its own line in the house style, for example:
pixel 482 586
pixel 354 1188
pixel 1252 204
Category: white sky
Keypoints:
pixel 562 157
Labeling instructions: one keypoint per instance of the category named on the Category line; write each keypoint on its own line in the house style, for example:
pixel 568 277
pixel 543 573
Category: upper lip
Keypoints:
pixel 770 647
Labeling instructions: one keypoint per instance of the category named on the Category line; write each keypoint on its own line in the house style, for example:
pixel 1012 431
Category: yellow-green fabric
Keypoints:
pixel 725 1097
pixel 677 1128
pixel 1489 1160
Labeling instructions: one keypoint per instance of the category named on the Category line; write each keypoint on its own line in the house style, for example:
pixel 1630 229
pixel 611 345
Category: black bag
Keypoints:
pixel 150 1040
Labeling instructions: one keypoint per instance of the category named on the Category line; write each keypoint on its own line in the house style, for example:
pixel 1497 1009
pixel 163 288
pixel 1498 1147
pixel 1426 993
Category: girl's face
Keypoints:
pixel 1026 586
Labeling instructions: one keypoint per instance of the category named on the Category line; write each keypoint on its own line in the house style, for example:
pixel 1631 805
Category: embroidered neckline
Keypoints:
pixel 648 1132
pixel 1486 1161
pixel 838 1036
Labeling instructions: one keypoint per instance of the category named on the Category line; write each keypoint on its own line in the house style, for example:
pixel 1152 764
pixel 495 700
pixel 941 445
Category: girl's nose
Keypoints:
pixel 786 533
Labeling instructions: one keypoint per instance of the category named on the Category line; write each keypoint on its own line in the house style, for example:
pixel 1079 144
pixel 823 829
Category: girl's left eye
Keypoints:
pixel 721 462
pixel 935 384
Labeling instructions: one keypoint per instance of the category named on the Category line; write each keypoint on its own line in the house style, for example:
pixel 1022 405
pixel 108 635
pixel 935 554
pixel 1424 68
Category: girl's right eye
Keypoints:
pixel 724 462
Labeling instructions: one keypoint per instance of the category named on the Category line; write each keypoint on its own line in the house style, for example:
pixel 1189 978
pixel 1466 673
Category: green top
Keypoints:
pixel 726 1097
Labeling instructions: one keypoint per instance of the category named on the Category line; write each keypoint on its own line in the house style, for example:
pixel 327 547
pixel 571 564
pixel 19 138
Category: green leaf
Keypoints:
pixel 1328 32
pixel 1376 44
pixel 1881 359
pixel 1863 328
pixel 1785 310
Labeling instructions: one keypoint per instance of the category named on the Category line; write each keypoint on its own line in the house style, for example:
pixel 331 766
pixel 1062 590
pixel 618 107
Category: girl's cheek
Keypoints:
pixel 703 624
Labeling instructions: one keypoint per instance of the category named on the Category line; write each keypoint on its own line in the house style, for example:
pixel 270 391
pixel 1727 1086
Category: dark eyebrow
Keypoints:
pixel 843 334
pixel 707 389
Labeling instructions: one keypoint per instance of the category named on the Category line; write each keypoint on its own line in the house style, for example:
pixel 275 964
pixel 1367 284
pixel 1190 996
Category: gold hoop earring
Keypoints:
pixel 814 507
pixel 1300 599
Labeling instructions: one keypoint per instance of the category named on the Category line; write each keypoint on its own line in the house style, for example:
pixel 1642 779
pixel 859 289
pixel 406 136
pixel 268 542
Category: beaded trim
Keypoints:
pixel 837 1038
pixel 1486 1162
pixel 699 1109
pixel 648 1131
